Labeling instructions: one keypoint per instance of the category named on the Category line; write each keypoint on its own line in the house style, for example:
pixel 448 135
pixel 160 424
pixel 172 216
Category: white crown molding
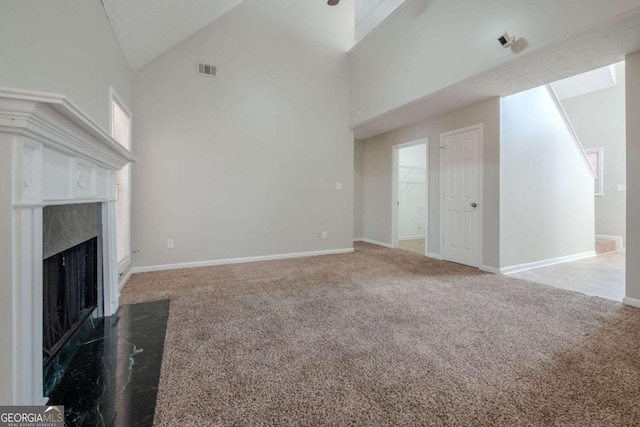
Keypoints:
pixel 228 261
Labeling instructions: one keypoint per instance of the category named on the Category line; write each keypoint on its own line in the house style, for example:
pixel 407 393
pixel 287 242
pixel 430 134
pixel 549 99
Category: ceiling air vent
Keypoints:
pixel 206 70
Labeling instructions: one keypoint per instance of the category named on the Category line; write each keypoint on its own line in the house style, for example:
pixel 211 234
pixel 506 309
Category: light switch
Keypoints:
pixel 338 186
pixel 622 187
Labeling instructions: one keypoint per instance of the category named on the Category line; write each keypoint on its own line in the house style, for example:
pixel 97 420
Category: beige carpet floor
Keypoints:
pixel 383 337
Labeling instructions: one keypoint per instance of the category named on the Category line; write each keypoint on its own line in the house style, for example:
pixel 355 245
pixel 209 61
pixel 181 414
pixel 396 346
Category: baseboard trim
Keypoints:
pixel 374 242
pixel 617 239
pixel 420 237
pixel 435 256
pixel 228 261
pixel 489 269
pixel 125 279
pixel 546 263
pixel 631 301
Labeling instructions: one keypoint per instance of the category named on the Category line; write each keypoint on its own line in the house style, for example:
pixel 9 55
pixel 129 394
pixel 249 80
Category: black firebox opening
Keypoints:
pixel 70 294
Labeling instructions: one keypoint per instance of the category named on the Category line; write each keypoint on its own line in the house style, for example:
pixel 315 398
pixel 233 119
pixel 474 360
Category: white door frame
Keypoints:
pixel 395 241
pixel 480 128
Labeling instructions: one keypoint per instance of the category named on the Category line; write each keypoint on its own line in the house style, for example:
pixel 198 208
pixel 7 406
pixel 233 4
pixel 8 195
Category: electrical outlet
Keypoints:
pixel 324 234
pixel 170 244
pixel 338 186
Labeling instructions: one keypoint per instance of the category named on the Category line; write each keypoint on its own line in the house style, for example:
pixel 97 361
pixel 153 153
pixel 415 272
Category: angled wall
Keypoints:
pixel 246 164
pixel 546 187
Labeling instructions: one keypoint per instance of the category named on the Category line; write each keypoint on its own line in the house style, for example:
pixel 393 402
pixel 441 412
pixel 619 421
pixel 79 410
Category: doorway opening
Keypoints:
pixel 563 183
pixel 410 196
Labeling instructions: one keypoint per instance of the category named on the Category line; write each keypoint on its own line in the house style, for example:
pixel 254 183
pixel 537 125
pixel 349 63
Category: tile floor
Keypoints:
pixel 416 246
pixel 602 276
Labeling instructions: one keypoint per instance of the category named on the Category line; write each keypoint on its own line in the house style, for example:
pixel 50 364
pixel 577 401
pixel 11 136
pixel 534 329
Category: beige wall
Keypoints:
pixel 65 47
pixel 377 175
pixel 357 189
pixel 633 175
pixel 546 185
pixel 599 120
pixel 246 164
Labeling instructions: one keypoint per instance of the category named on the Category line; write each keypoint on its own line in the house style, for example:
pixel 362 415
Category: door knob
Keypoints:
pixel 474 205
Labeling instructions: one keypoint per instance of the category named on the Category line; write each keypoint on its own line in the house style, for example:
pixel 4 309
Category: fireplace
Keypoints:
pixel 70 294
pixel 71 284
pixel 56 165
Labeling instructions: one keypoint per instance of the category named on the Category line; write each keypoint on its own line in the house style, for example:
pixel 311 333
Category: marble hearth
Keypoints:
pixel 51 154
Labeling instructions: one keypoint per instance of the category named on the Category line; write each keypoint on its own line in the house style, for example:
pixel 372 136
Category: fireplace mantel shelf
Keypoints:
pixel 51 153
pixel 21 110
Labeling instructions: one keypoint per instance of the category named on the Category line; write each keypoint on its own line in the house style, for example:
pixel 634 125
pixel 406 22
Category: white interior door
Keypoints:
pixel 460 192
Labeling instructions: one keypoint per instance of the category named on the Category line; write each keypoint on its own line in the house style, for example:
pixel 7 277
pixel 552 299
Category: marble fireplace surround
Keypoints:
pixel 57 155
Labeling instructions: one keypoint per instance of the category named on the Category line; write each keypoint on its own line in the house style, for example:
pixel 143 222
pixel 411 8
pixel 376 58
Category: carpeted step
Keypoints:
pixel 604 246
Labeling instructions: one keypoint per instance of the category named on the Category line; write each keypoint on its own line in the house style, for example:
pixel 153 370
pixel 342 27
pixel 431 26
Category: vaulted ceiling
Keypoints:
pixel 147 28
pixel 371 13
pixel 365 7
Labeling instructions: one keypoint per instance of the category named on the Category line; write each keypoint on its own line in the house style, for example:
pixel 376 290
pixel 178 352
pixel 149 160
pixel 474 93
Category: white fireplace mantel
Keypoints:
pixel 51 153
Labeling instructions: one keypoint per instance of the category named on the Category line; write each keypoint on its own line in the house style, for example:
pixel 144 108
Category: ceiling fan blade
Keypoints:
pixel 333 2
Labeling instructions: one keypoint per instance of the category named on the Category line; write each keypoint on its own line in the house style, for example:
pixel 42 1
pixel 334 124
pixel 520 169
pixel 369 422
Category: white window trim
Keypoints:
pixel 600 175
pixel 113 95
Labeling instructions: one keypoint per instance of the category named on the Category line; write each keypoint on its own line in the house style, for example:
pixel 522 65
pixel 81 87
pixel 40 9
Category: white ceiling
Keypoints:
pixel 148 28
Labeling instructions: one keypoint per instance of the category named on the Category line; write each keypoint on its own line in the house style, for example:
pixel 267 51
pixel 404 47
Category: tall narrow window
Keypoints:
pixel 121 132
pixel 595 159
